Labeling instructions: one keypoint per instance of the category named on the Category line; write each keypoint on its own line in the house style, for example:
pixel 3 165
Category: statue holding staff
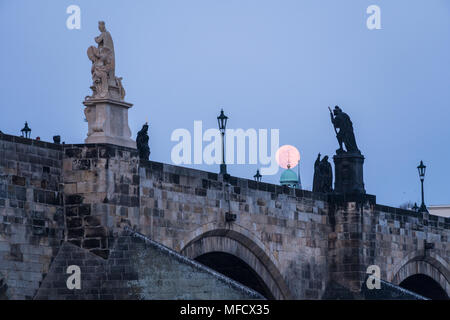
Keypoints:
pixel 345 135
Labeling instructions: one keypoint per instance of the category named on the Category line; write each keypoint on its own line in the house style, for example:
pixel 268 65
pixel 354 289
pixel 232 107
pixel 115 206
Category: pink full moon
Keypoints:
pixel 287 154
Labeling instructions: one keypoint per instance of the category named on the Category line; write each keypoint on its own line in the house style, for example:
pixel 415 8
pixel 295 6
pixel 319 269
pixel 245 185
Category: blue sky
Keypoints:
pixel 270 64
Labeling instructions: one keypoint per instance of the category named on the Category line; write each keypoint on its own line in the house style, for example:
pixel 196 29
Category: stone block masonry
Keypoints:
pixel 101 184
pixel 31 213
pixel 137 269
pixel 301 245
pixel 108 188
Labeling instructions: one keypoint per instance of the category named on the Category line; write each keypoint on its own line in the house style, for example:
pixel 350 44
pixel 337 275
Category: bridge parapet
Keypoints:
pixel 298 241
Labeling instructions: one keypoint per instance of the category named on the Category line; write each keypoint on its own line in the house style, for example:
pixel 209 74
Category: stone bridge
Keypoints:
pixel 283 243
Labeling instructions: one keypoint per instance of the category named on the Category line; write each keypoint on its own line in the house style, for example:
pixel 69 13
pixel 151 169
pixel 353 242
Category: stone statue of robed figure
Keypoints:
pixel 345 135
pixel 323 175
pixel 106 111
pixel 105 82
pixel 142 143
pixel 348 163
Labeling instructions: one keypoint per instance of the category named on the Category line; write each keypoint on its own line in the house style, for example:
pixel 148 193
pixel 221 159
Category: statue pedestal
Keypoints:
pixel 108 122
pixel 348 170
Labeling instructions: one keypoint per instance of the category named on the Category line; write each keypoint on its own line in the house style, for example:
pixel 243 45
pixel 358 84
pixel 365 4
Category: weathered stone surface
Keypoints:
pixel 104 128
pixel 349 173
pixel 137 268
pixel 31 213
pixel 297 241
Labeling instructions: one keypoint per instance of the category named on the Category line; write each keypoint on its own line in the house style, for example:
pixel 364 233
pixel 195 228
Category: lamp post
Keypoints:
pixel 222 121
pixel 26 131
pixel 257 176
pixel 422 168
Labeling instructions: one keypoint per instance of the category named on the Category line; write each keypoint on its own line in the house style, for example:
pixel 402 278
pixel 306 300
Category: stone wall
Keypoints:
pixel 286 228
pixel 401 238
pixel 300 243
pixel 280 232
pixel 101 192
pixel 296 240
pixel 138 269
pixel 365 234
pixel 31 213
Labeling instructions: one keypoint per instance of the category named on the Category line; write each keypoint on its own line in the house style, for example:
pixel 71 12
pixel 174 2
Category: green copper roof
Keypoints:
pixel 288 177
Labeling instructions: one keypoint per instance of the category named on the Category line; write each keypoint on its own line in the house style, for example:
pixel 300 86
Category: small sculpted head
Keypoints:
pixel 337 110
pixel 101 26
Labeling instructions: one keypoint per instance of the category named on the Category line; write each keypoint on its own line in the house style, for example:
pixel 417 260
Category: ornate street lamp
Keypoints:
pixel 26 131
pixel 422 168
pixel 257 176
pixel 222 121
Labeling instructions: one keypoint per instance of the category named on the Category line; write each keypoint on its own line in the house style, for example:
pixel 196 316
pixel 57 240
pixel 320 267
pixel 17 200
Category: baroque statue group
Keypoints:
pixel 323 174
pixel 105 82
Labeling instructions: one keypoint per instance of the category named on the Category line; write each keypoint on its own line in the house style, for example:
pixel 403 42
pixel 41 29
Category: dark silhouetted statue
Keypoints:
pixel 348 164
pixel 142 143
pixel 345 135
pixel 57 139
pixel 323 175
pixel 316 179
pixel 327 175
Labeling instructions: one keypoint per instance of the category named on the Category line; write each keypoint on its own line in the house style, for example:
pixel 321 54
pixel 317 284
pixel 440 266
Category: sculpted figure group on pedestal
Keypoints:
pixel 105 82
pixel 106 111
pixel 348 162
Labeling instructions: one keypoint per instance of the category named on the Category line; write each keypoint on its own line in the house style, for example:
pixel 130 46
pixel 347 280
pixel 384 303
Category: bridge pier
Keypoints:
pixel 351 240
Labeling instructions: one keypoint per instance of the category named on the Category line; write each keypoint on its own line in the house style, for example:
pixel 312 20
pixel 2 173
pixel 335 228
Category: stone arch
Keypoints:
pixel 240 245
pixel 430 265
